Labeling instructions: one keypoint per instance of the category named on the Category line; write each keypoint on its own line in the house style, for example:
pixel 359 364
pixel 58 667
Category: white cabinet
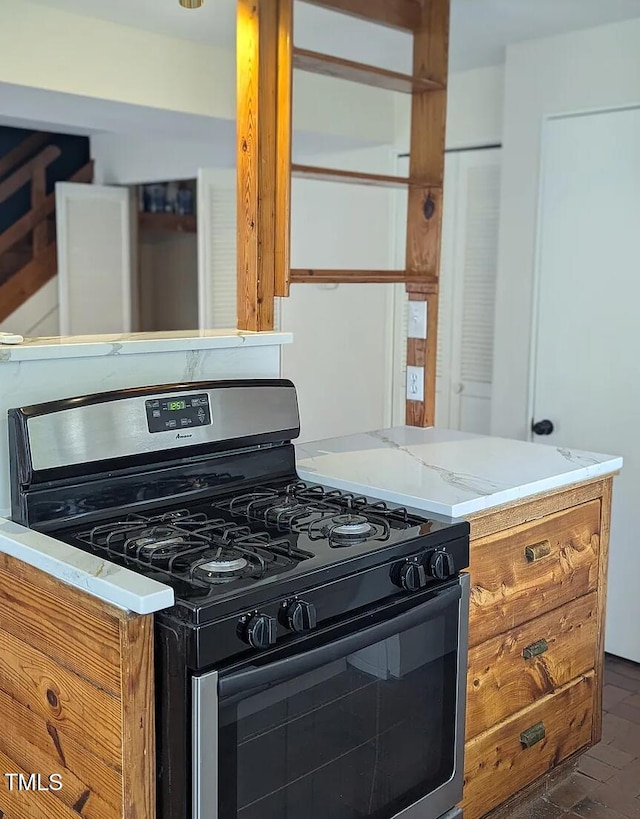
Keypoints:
pixel 94 259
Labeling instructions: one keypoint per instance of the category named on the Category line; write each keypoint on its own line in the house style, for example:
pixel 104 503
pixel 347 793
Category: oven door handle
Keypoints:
pixel 280 671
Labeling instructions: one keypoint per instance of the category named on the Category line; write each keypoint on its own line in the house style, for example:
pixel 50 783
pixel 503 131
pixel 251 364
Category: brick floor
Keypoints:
pixel 607 783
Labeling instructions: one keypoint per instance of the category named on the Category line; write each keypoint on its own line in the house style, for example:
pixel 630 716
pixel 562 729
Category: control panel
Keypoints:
pixel 178 412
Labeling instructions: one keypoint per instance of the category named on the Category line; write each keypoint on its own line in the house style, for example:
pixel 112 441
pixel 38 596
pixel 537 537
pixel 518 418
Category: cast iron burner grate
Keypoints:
pixel 342 518
pixel 192 546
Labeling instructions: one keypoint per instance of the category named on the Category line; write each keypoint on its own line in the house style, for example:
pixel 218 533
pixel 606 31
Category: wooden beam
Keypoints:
pixel 426 164
pixel 300 276
pixel 331 66
pixel 402 14
pixel 350 177
pixel 30 220
pixel 284 105
pixel 263 42
pixel 22 175
pixel 23 151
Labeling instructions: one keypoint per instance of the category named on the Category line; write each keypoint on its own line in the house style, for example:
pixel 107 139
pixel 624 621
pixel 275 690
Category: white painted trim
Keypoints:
pixel 390 313
pixel 65 191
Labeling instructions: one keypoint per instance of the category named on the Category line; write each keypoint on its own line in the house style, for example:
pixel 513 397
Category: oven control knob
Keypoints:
pixel 301 616
pixel 441 565
pixel 260 630
pixel 412 576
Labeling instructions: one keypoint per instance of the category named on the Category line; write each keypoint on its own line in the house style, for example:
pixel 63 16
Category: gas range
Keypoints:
pixel 195 486
pixel 247 544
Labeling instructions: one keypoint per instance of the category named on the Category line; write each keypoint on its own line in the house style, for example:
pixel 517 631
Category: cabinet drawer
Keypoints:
pixel 499 762
pixel 512 671
pixel 528 570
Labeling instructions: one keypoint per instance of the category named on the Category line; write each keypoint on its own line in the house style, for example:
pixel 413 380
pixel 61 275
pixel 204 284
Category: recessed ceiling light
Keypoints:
pixel 191 4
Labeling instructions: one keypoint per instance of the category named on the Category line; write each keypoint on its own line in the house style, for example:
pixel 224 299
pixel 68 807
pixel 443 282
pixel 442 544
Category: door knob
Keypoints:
pixel 542 427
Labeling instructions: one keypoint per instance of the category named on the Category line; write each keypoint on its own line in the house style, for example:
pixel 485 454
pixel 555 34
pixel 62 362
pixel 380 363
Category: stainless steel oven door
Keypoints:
pixel 365 721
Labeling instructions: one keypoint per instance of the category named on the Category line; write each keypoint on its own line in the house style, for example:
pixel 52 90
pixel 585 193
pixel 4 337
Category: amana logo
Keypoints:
pixel 184 436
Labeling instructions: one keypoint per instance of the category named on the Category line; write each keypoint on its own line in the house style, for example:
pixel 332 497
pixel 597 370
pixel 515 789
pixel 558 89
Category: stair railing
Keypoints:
pixel 43 265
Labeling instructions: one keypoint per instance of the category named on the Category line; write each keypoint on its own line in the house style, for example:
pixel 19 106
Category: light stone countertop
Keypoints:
pixel 114 584
pixel 136 343
pixel 445 471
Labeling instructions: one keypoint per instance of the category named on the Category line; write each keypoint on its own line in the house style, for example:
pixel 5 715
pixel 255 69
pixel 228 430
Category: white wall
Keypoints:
pixel 341 357
pixel 474 109
pixel 133 159
pixel 583 71
pixel 45 48
pixel 38 316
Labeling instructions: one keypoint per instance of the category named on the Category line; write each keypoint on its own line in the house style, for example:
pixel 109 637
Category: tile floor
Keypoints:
pixel 607 784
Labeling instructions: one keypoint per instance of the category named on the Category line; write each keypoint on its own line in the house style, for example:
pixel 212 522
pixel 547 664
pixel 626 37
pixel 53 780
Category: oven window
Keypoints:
pixel 365 735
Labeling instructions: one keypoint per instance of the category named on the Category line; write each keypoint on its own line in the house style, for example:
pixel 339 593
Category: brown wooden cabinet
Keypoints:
pixel 76 700
pixel 538 591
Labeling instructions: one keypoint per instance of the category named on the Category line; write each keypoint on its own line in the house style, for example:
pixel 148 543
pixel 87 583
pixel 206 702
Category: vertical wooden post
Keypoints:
pixel 426 171
pixel 264 137
pixel 38 195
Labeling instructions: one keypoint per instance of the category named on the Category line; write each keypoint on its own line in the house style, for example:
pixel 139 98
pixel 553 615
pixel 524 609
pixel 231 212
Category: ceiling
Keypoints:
pixel 480 29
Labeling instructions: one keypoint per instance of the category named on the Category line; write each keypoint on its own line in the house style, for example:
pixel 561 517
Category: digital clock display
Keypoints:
pixel 180 414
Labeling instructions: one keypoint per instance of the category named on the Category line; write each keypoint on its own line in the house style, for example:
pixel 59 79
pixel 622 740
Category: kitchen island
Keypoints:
pixel 540 519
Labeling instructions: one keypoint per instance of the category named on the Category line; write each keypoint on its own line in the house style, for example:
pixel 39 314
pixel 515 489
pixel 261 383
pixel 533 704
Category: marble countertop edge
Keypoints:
pixel 101 579
pixel 136 344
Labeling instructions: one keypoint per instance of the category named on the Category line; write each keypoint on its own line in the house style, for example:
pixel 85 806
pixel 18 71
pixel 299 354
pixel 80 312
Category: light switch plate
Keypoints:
pixel 417 319
pixel 415 383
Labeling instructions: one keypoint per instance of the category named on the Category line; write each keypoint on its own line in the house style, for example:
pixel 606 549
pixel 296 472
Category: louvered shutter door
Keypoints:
pixel 217 280
pixel 474 289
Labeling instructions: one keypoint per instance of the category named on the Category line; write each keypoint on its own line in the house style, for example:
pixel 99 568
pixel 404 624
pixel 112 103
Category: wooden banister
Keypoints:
pixel 19 288
pixel 30 220
pixel 23 175
pixel 22 151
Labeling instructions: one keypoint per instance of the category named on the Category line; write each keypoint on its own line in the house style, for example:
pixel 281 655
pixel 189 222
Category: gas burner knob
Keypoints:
pixel 411 576
pixel 259 630
pixel 441 565
pixel 300 616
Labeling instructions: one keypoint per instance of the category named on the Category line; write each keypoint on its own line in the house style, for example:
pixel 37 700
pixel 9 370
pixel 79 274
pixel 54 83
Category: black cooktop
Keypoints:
pixel 213 549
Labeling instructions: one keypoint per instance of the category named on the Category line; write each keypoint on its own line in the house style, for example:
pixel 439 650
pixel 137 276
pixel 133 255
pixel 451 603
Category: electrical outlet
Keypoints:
pixel 417 319
pixel 415 383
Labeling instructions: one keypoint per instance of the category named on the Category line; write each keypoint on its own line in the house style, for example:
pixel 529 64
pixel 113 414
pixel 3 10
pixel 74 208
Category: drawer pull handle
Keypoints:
pixel 535 649
pixel 537 551
pixel 532 735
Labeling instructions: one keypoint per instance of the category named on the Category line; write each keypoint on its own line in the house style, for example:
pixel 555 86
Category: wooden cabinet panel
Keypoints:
pixel 531 569
pixel 76 690
pixel 514 670
pixel 499 763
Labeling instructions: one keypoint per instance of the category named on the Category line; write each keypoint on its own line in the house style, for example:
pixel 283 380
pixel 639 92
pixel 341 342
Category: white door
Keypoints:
pixel 217 307
pixel 467 293
pixel 585 369
pixel 94 259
